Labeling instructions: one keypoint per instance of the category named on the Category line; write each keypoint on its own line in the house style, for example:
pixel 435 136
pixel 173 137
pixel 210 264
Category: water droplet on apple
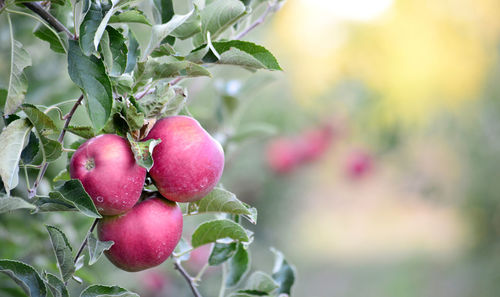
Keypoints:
pixel 99 199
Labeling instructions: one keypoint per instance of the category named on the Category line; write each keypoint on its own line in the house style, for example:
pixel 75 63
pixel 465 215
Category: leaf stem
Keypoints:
pixel 223 282
pixel 67 117
pixel 49 18
pixel 189 279
pixel 271 7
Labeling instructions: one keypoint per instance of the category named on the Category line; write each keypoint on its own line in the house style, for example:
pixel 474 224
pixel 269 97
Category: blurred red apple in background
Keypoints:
pixel 359 163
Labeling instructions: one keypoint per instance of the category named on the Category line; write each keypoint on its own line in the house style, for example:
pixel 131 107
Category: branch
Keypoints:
pixel 188 278
pixel 84 242
pixel 55 23
pixel 67 117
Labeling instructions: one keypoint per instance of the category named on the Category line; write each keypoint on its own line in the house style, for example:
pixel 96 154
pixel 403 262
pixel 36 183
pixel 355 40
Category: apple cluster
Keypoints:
pixel 188 164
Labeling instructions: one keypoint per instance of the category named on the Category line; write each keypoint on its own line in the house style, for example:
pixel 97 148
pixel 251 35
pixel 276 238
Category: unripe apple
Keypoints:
pixel 188 162
pixel 107 169
pixel 145 236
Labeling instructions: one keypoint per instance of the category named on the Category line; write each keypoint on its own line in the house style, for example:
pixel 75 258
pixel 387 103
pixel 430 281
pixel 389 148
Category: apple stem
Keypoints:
pixel 189 279
pixel 67 117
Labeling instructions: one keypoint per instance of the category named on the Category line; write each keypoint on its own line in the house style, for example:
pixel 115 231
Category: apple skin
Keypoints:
pixel 188 162
pixel 109 173
pixel 145 236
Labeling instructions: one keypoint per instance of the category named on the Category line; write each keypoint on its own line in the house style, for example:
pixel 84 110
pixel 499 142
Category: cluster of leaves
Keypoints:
pixel 126 83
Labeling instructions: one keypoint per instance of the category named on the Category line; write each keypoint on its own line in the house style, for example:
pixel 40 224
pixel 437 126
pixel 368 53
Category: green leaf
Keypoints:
pixel 183 248
pixel 221 252
pixel 18 84
pixel 220 200
pixel 115 51
pixel 168 67
pixel 217 16
pixel 165 10
pixel 242 53
pixel 31 150
pixel 115 5
pixel 90 75
pixel 133 52
pixel 73 193
pixel 130 16
pixel 143 151
pixel 51 149
pixel 239 264
pixel 211 231
pixel 54 40
pixel 63 252
pixel 13 138
pixel 96 248
pixel 260 281
pixel 88 27
pixel 134 118
pixel 12 203
pixel 283 273
pixel 25 276
pixel 159 32
pixel 248 293
pixel 82 131
pixel 190 27
pixel 63 175
pixel 105 291
pixel 46 204
pixel 56 286
pixel 163 50
pixel 164 101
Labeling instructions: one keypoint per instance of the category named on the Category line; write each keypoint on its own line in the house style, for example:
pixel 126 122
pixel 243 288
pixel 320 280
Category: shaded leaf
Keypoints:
pixel 88 27
pixel 211 231
pixel 25 276
pixel 168 67
pixel 52 38
pixel 62 176
pixel 133 52
pixel 239 264
pixel 18 84
pixel 96 248
pixel 31 149
pixel 115 51
pixel 90 75
pixel 73 193
pixel 12 142
pixel 165 10
pixel 63 252
pixel 56 286
pixel 220 200
pixel 82 131
pixel 260 281
pixel 221 252
pixel 12 203
pixel 182 249
pixel 283 273
pixel 130 16
pixel 190 27
pixel 101 290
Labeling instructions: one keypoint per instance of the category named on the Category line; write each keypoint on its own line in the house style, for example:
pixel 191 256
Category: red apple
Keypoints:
pixel 282 155
pixel 314 142
pixel 145 236
pixel 107 169
pixel 359 164
pixel 188 162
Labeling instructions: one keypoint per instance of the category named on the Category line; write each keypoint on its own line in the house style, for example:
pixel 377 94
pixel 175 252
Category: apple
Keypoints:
pixel 188 162
pixel 313 143
pixel 145 236
pixel 107 169
pixel 359 163
pixel 282 155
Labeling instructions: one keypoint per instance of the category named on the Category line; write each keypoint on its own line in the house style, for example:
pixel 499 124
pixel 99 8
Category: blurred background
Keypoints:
pixel 373 159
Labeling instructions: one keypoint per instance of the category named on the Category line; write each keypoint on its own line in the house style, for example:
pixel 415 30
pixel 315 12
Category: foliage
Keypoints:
pixel 126 84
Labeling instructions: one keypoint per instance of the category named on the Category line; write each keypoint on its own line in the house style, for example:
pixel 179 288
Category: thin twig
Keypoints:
pixel 270 8
pixel 188 278
pixel 67 117
pixel 84 242
pixel 49 18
